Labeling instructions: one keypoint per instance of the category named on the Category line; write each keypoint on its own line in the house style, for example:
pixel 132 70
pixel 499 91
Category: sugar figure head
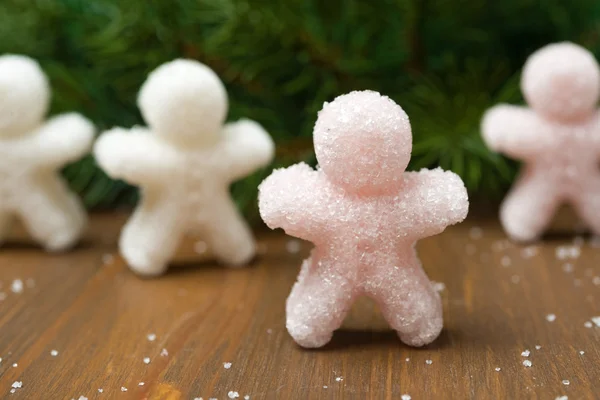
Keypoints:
pixel 24 95
pixel 363 142
pixel 562 81
pixel 184 102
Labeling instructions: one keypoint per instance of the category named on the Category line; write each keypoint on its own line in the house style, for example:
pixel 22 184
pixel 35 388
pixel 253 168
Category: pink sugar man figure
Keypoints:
pixel 557 137
pixel 364 214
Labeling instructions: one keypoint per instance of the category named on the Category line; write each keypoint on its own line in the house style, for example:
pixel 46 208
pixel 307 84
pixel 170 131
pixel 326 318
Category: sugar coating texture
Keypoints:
pixel 557 137
pixel 364 214
pixel 32 152
pixel 184 162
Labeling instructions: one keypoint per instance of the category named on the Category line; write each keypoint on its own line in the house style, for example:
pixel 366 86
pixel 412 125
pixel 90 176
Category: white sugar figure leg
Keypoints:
pixel 151 236
pixel 51 214
pixel 588 205
pixel 228 236
pixel 317 307
pixel 6 220
pixel 528 208
pixel 408 302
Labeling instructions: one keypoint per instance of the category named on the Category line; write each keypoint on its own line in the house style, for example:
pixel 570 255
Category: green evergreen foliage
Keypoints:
pixel 444 61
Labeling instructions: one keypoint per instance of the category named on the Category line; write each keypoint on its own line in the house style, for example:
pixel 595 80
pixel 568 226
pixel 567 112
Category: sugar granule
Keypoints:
pixel 16 286
pixel 428 362
pixel 581 352
pixel 246 397
pixel 550 317
pixel 527 363
pixel 13 390
pixel 596 280
pixel 596 321
pixel 568 268
pixel 537 347
pixel 53 353
pixel 293 246
pixel 325 386
pixel 141 384
pixel 15 365
pixel 198 398
pixel 498 369
pixel 529 251
pixel 151 337
pixel 226 365
pixel 526 353
pixel 200 247
pixel 339 379
pixel 146 360
pixel 233 395
pixel 100 390
pixel 407 359
pixel 587 324
pixel 505 261
pixel 17 384
pixel 164 353
pixel 405 397
pixel 123 389
pixel 568 252
pixel 562 398
pixel 475 233
pixel 566 382
pixel 269 331
pixel 82 398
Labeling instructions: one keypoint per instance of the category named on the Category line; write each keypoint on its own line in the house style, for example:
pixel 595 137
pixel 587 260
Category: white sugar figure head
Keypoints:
pixel 363 142
pixel 184 102
pixel 24 95
pixel 562 81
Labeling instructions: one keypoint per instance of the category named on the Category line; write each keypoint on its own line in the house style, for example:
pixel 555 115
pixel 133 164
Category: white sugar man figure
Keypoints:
pixel 32 151
pixel 184 163
pixel 557 136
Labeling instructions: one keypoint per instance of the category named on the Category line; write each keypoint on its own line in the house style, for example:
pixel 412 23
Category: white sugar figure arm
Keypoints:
pixel 135 156
pixel 514 131
pixel 288 199
pixel 437 198
pixel 246 146
pixel 63 139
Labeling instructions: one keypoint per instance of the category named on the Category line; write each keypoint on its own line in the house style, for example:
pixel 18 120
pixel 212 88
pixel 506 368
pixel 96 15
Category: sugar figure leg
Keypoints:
pixel 529 207
pixel 588 205
pixel 408 302
pixel 227 234
pixel 51 214
pixel 317 306
pixel 151 236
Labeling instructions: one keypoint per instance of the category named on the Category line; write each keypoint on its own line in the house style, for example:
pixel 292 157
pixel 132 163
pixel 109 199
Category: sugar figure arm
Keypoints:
pixel 135 156
pixel 435 199
pixel 514 131
pixel 289 199
pixel 246 146
pixel 63 139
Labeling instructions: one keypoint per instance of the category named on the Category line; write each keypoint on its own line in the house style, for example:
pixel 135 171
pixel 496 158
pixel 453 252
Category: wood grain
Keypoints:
pixel 97 315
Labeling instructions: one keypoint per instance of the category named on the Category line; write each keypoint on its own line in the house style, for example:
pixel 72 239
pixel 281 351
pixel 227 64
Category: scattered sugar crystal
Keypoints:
pixel 526 353
pixel 3 296
pixel 550 317
pixel 587 324
pixel 596 280
pixel 151 337
pixel 562 398
pixel 164 353
pixel 200 247
pixel 568 268
pixel 475 233
pixel 100 390
pixel 146 360
pixel 498 369
pixel 567 252
pixel 141 384
pixel 325 386
pixel 15 365
pixel 246 397
pixel 293 246
pixel 438 286
pixel 505 261
pixel 269 331
pixel 233 395
pixel 515 279
pixel 53 353
pixel 13 390
pixel 537 347
pixel 527 363
pixel 596 321
pixel 529 251
pixel 339 379
pixel 405 397
pixel 17 384
pixel 407 359
pixel 17 286
pixel 30 283
pixel 428 362
pixel 107 259
pixel 198 398
pixel 123 389
pixel 566 382
pixel 582 352
pixel 226 365
pixel 82 398
pixel 470 249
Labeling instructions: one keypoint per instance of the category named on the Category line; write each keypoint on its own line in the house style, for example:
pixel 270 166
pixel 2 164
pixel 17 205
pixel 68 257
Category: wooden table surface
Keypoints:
pixel 82 320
